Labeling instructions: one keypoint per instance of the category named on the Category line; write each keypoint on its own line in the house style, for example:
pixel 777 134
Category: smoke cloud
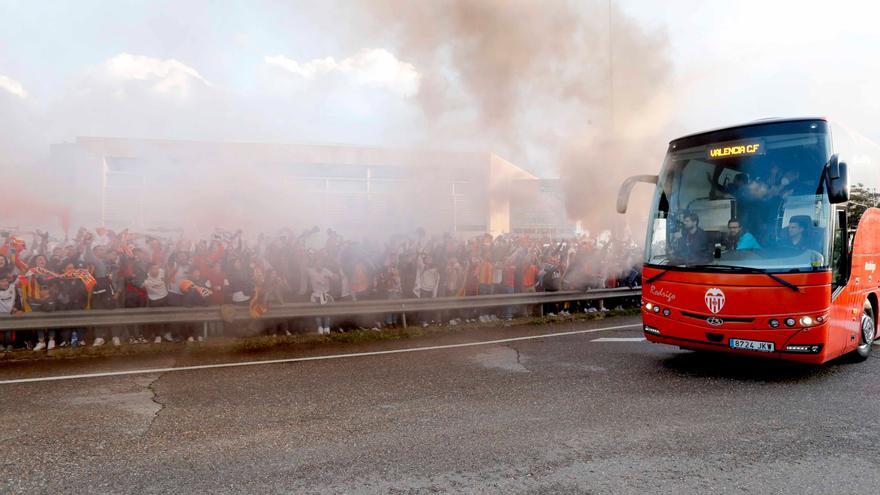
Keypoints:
pixel 564 86
pixel 530 80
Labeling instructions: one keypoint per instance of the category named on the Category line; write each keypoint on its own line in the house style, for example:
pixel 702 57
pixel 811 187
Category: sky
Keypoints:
pixel 323 72
pixel 738 61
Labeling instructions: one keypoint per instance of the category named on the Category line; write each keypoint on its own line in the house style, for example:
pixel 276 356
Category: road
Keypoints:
pixel 590 412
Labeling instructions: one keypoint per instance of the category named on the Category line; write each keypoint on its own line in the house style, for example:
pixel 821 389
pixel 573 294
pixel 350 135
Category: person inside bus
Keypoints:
pixel 748 195
pixel 800 178
pixel 738 187
pixel 789 184
pixel 691 243
pixel 799 230
pixel 738 239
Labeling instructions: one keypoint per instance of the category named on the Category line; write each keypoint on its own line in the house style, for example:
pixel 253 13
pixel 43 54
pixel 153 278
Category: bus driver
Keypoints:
pixel 691 243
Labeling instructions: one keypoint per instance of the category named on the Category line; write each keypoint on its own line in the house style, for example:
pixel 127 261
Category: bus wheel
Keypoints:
pixel 867 337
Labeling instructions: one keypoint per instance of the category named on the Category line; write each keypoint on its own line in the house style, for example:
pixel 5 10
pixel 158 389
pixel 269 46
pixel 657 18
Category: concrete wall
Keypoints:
pixel 501 175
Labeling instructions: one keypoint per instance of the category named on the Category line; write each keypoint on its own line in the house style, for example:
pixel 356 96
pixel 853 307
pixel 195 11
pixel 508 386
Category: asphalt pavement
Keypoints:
pixel 598 411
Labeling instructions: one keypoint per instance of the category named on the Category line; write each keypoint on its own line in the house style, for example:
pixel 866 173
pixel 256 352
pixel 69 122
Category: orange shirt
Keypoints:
pixel 360 282
pixel 530 276
pixel 484 273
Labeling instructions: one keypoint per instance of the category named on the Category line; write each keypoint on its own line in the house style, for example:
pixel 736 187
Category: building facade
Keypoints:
pixel 150 185
pixel 538 209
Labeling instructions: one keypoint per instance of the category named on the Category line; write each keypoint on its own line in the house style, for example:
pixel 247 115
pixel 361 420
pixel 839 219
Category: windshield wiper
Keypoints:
pixel 656 277
pixel 746 269
pixel 783 282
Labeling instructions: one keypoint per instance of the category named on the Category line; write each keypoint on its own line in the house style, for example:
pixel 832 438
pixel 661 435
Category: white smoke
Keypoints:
pixel 525 79
pixel 544 83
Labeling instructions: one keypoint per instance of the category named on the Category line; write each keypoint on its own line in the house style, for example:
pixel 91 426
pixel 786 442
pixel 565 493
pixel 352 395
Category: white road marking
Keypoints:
pixel 619 339
pixel 311 358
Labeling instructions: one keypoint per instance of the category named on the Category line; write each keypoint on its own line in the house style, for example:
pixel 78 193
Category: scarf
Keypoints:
pixel 258 306
pixel 30 286
pixel 187 285
pixel 83 275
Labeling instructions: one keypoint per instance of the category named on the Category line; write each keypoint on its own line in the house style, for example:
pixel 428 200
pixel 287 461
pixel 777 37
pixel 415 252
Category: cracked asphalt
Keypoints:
pixel 556 415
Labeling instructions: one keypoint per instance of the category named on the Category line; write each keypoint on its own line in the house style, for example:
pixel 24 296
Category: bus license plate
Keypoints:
pixel 752 345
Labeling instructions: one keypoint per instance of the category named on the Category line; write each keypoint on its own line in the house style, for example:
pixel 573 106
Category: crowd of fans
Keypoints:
pixel 102 269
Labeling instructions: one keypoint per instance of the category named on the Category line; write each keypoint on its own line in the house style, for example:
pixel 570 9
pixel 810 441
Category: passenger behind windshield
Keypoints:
pixel 800 234
pixel 767 210
pixel 752 200
pixel 755 197
pixel 738 239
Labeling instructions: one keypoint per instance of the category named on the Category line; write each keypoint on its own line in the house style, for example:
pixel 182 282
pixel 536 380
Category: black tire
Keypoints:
pixel 866 338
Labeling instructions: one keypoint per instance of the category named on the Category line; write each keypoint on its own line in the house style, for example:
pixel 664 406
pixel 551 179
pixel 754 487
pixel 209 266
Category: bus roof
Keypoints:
pixel 773 120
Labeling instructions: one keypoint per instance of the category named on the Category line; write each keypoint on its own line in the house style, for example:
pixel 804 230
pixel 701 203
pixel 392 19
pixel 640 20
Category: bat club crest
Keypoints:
pixel 714 300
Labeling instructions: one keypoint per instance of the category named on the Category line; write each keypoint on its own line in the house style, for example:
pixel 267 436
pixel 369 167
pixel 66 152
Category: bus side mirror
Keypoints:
pixel 837 180
pixel 626 189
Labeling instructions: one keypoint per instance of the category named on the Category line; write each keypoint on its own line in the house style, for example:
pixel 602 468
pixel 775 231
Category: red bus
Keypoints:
pixel 763 239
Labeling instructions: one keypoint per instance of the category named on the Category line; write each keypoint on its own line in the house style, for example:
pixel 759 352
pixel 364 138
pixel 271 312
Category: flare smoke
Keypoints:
pixel 529 80
pixel 574 87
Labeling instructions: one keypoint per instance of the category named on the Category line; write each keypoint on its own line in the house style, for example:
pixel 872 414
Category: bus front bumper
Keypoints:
pixel 805 345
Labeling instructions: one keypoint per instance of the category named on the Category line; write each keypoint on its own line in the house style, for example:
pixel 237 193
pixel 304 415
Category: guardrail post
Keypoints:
pixel 403 315
pixel 205 330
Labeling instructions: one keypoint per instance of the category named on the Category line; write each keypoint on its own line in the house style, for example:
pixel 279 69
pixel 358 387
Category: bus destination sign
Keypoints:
pixel 730 150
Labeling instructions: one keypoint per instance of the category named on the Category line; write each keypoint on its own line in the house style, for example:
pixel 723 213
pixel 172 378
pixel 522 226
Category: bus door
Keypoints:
pixel 846 285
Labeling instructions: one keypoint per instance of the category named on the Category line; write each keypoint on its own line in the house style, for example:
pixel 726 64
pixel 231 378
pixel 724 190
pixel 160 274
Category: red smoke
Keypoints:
pixel 32 209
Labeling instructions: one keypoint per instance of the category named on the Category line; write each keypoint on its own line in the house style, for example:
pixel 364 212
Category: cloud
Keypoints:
pixel 372 67
pixel 12 86
pixel 132 95
pixel 167 76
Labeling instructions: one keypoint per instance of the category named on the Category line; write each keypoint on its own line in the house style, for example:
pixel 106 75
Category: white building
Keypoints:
pixel 539 209
pixel 148 184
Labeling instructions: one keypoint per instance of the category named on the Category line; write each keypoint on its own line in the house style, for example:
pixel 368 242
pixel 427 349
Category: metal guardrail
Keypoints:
pixel 232 313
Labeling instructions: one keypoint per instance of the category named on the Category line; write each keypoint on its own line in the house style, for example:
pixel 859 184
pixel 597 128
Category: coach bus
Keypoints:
pixel 763 239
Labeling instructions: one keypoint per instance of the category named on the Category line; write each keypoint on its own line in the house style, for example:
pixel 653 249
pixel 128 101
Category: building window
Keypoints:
pixel 327 170
pixel 123 180
pixel 346 186
pixel 309 184
pixel 387 186
pixel 122 164
pixel 388 172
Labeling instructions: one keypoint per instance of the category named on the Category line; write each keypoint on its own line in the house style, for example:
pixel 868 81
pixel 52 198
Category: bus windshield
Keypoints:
pixel 757 202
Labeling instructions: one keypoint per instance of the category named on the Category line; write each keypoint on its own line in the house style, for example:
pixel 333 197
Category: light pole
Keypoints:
pixel 611 111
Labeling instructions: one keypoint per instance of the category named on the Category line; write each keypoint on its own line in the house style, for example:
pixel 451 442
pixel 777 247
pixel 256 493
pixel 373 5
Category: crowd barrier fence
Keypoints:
pixel 281 312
